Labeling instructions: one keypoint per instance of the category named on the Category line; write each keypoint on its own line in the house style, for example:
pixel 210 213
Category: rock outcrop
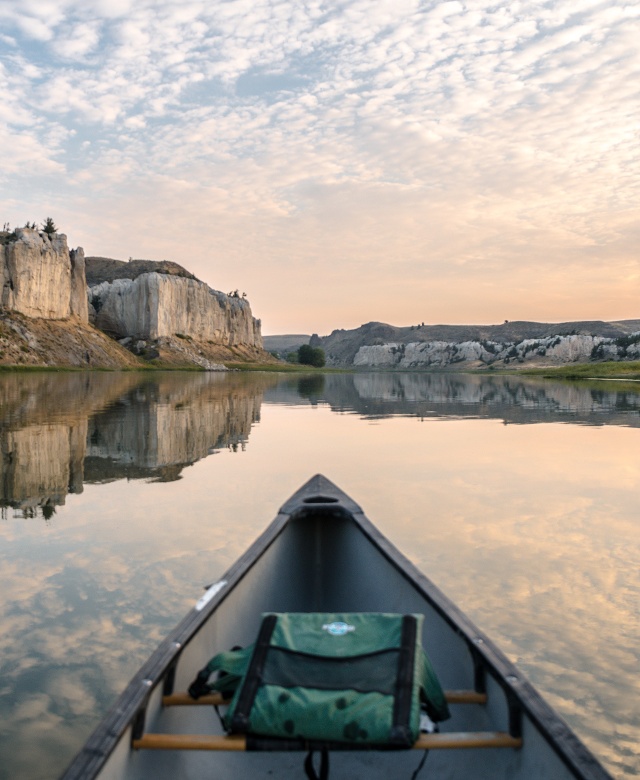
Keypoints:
pixel 157 310
pixel 156 305
pixel 79 302
pixel 377 345
pixel 554 350
pixel 40 278
pixel 106 269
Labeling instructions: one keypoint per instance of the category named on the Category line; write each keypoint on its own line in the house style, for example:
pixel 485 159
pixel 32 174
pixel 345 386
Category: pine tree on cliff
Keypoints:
pixel 49 226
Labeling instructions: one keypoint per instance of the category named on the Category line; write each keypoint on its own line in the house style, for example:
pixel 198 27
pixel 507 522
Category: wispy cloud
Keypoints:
pixel 478 136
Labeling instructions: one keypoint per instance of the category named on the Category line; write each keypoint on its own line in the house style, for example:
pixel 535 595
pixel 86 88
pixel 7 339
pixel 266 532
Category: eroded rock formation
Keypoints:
pixel 155 305
pixel 552 350
pixel 377 344
pixel 40 278
pixel 141 301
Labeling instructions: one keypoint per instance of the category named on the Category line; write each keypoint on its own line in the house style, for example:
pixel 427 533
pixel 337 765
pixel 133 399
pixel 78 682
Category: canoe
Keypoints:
pixel 322 554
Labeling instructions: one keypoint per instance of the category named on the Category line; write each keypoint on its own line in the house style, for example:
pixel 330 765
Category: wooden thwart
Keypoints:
pixel 215 699
pixel 468 739
pixel 238 742
pixel 465 697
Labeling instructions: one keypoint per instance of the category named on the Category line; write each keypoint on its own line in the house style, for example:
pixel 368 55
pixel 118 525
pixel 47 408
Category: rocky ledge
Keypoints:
pixel 130 313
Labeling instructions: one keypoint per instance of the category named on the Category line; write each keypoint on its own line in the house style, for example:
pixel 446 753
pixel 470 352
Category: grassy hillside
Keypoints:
pixel 608 370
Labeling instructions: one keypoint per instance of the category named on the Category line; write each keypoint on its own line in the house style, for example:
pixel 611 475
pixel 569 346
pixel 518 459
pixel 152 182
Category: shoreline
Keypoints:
pixel 612 372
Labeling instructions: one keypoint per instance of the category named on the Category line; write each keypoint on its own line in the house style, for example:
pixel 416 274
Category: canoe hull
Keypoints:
pixel 321 554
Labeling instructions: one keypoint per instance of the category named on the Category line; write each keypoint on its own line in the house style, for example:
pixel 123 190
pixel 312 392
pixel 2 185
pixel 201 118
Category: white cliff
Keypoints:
pixel 40 278
pixel 548 351
pixel 156 305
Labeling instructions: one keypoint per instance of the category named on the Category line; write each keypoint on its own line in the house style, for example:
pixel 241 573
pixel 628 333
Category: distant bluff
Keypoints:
pixel 420 346
pixel 379 345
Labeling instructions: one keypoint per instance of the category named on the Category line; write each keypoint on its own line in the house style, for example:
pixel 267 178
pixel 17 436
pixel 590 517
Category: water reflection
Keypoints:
pixel 58 433
pixel 532 529
pixel 508 398
pixel 159 427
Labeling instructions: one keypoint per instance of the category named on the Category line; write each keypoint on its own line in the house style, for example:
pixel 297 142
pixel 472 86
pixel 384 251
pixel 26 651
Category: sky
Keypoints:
pixel 341 162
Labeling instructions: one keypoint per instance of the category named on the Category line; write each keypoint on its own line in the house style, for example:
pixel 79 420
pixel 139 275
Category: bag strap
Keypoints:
pixel 431 692
pixel 403 697
pixel 253 676
pixel 310 770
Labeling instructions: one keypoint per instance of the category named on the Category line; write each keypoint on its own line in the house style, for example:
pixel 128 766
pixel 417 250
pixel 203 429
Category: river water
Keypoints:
pixel 123 495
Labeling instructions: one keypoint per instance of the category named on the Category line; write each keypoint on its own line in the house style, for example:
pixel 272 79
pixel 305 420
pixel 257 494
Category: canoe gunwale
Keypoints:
pixel 522 697
pixel 133 701
pixel 320 495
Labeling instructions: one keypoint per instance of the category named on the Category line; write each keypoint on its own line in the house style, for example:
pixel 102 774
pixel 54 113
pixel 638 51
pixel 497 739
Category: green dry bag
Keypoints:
pixel 350 678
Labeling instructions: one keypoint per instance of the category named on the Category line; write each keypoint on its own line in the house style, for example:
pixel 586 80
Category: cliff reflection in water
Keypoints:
pixel 58 432
pixel 512 399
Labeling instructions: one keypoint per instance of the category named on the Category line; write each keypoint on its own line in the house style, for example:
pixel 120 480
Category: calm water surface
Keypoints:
pixel 123 495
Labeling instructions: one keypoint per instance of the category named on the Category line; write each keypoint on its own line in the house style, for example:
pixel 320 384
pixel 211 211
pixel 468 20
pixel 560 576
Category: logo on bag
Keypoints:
pixel 338 628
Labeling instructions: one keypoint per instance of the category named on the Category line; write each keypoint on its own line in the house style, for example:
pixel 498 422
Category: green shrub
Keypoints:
pixel 311 356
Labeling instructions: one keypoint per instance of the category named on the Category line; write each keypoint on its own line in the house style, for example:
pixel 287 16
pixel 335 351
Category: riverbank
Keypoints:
pixel 70 344
pixel 608 370
pixel 61 345
pixel 287 368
